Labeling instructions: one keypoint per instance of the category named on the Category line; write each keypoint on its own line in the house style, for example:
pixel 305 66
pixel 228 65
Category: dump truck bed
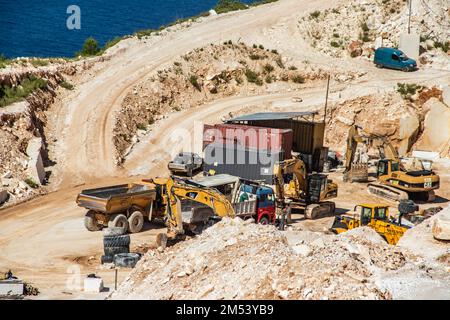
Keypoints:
pixel 118 198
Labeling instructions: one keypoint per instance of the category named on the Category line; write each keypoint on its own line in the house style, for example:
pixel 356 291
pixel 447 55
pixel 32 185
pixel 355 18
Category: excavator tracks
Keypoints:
pixel 320 210
pixel 387 192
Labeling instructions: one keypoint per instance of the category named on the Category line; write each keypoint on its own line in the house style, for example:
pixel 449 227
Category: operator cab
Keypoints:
pixel 317 185
pixel 369 212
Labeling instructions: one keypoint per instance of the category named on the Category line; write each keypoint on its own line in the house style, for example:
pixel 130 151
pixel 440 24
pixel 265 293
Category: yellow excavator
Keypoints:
pixel 376 217
pixel 172 192
pixel 295 188
pixel 394 181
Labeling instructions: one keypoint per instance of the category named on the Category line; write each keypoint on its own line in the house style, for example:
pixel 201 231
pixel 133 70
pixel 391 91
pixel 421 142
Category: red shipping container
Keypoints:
pixel 250 137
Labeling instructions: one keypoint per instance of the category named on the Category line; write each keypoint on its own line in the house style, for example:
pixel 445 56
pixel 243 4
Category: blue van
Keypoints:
pixel 393 59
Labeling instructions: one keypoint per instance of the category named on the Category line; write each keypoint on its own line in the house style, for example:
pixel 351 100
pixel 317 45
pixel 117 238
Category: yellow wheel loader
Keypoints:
pixel 376 217
pixel 296 189
pixel 394 180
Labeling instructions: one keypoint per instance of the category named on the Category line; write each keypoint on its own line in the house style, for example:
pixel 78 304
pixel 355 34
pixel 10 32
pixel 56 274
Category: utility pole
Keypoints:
pixel 326 99
pixel 409 18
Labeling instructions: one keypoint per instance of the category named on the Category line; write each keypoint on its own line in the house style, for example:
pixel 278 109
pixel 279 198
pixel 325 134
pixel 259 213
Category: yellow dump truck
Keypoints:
pixel 125 206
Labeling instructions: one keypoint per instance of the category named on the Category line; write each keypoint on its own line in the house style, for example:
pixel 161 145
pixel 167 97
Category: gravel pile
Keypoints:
pixel 239 260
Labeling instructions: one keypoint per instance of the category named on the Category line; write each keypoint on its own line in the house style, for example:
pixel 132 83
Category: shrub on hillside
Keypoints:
pixel 224 6
pixel 90 48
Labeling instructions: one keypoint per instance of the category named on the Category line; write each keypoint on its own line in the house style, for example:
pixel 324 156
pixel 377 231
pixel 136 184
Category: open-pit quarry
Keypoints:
pixel 111 119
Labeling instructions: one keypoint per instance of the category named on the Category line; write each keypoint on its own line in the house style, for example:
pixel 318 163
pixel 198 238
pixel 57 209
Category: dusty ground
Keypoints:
pixel 42 240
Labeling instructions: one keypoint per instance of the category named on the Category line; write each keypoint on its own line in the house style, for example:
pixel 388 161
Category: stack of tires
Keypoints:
pixel 114 242
pixel 116 246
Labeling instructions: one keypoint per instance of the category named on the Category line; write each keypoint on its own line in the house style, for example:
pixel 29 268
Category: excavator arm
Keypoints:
pixel 177 190
pixel 295 188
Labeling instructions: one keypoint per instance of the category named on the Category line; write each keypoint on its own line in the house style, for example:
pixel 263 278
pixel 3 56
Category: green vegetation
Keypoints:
pixel 364 27
pixel 142 126
pixel 314 15
pixel 334 44
pixel 224 6
pixel 39 62
pixel 298 79
pixel 90 48
pixel 193 79
pixel 253 77
pixel 112 43
pixel 274 51
pixel 66 85
pixel 31 183
pixel 293 68
pixel 269 79
pixel 9 95
pixel 336 35
pixel 254 56
pixel 445 46
pixel 407 90
pixel 268 68
pixel 3 61
pixel 280 63
pixel 336 11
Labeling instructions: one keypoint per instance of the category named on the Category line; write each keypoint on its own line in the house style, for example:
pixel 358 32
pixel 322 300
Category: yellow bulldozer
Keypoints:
pixel 376 217
pixel 297 189
pixel 394 180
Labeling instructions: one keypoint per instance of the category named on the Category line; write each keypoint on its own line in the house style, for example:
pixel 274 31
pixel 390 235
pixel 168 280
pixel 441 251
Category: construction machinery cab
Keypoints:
pixel 317 186
pixel 386 166
pixel 369 212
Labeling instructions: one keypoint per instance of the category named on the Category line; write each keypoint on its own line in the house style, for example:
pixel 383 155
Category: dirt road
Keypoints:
pixel 44 240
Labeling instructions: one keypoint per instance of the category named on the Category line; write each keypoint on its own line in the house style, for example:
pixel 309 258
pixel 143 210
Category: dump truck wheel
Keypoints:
pixel 109 232
pixel 126 260
pixel 111 251
pixel 135 222
pixel 90 222
pixel 116 241
pixel 264 221
pixel 118 221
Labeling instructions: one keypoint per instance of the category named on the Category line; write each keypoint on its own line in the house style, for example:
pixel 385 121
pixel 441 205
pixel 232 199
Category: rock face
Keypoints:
pixel 441 226
pixel 436 134
pixel 386 115
pixel 421 239
pixel 35 164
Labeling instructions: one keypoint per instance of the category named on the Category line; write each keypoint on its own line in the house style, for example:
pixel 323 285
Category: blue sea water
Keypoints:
pixel 38 28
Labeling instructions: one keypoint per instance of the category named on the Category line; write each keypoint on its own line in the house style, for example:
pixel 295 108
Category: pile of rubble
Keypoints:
pixel 242 260
pixel 206 74
pixel 355 28
pixel 409 123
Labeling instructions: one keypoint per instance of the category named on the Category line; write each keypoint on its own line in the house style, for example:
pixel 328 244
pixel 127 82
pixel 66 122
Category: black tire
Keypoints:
pixel 264 221
pixel 135 222
pixel 107 259
pixel 118 221
pixel 109 232
pixel 90 222
pixel 111 251
pixel 405 69
pixel 116 241
pixel 126 260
